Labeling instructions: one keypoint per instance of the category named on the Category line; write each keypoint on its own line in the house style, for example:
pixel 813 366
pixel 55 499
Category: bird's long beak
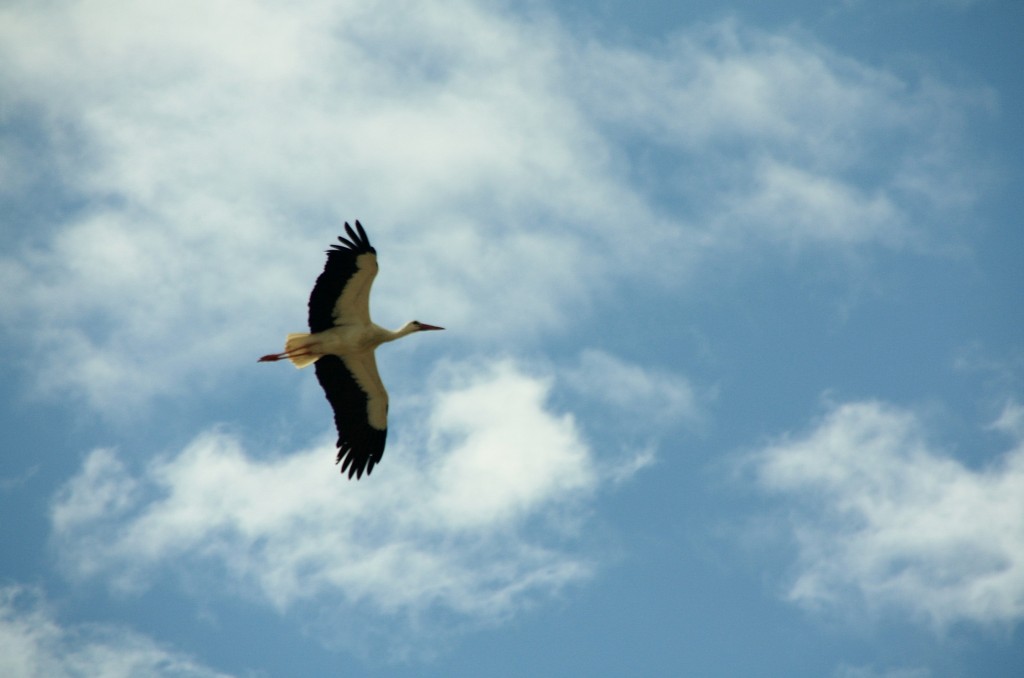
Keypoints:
pixel 424 326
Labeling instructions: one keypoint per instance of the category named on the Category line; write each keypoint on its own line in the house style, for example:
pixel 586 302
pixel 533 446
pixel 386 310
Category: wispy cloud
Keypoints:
pixel 475 520
pixel 35 643
pixel 636 407
pixel 643 396
pixel 883 519
pixel 197 178
pixel 777 137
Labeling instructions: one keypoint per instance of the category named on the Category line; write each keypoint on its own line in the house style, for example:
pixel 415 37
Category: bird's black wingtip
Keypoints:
pixel 357 241
pixel 362 233
pixel 350 465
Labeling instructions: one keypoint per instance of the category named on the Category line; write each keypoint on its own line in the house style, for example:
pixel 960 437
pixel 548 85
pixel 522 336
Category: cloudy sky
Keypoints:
pixel 733 379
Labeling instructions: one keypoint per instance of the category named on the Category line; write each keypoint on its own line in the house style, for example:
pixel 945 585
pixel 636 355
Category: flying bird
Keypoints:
pixel 341 343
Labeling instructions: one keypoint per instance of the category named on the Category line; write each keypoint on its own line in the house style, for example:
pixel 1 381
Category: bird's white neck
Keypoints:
pixel 391 335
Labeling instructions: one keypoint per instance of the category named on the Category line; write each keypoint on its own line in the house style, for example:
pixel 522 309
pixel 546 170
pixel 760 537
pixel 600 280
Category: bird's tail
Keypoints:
pixel 297 347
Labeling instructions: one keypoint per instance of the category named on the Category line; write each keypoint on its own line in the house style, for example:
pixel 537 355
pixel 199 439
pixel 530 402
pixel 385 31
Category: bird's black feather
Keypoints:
pixel 360 446
pixel 340 266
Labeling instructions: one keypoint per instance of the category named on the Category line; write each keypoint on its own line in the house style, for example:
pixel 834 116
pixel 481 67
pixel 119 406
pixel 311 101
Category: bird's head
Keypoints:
pixel 417 326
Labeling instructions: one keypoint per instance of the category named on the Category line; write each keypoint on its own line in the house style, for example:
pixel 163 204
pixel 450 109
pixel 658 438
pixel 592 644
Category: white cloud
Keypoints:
pixel 473 516
pixel 1010 420
pixel 212 152
pixel 883 520
pixel 504 453
pixel 33 643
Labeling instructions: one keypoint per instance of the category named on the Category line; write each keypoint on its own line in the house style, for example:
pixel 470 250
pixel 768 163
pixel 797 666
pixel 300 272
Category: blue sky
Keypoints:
pixel 732 381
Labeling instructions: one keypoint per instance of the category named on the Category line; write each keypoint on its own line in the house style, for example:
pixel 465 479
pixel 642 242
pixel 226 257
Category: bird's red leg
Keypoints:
pixel 273 357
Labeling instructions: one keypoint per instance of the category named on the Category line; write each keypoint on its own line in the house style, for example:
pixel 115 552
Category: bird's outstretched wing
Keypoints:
pixel 360 403
pixel 342 292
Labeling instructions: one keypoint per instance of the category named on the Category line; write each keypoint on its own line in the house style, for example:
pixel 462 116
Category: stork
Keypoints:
pixel 341 343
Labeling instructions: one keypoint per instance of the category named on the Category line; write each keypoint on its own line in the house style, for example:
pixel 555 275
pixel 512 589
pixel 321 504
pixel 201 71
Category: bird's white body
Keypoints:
pixel 303 348
pixel 355 338
pixel 355 345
